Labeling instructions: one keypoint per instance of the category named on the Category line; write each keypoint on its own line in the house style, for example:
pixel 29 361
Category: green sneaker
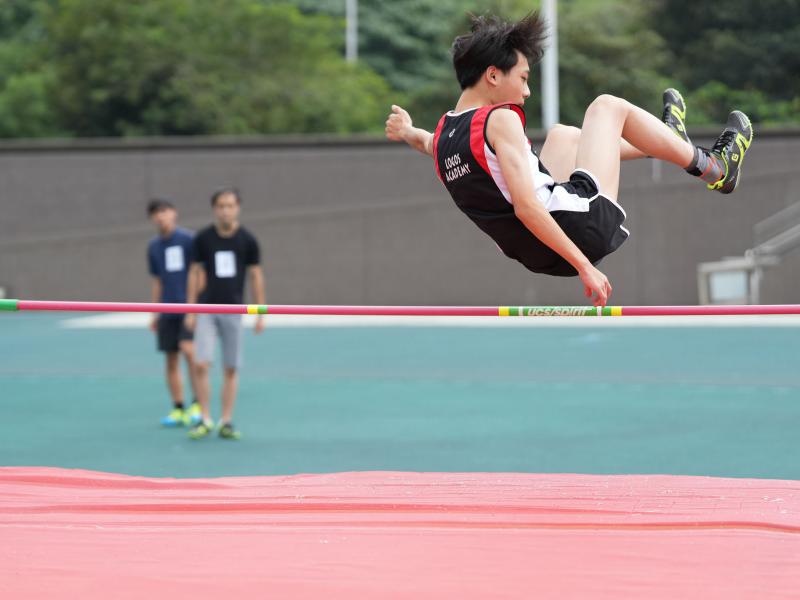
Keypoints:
pixel 192 416
pixel 201 430
pixel 730 147
pixel 675 113
pixel 227 432
pixel 174 418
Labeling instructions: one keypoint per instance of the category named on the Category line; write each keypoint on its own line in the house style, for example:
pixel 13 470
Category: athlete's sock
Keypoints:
pixel 706 165
pixel 178 405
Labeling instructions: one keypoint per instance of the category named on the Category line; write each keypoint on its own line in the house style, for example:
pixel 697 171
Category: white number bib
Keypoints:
pixel 225 264
pixel 173 259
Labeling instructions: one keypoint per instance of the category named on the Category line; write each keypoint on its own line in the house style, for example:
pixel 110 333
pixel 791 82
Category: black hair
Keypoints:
pixel 157 204
pixel 495 42
pixel 223 191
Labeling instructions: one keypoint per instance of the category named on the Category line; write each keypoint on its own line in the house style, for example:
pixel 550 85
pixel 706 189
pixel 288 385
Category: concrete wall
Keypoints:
pixel 354 222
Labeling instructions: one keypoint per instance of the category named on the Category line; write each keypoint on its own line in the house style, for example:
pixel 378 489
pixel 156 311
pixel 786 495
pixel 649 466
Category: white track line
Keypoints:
pixel 140 320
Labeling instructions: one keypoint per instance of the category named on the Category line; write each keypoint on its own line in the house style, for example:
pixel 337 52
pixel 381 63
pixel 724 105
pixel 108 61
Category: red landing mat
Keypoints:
pixel 80 534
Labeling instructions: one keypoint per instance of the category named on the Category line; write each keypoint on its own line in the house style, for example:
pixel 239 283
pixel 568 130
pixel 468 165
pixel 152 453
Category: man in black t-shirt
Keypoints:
pixel 222 255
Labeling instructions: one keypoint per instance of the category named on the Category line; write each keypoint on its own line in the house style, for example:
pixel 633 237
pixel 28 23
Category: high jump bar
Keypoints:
pixel 416 311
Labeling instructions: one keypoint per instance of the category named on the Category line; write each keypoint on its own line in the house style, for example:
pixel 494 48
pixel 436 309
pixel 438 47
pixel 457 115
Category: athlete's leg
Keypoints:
pixel 606 120
pixel 187 349
pixel 203 388
pixel 174 381
pixel 560 151
pixel 230 385
pixel 205 338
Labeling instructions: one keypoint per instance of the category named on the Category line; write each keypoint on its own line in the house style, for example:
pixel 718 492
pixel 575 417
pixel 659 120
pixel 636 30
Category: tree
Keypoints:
pixel 748 53
pixel 164 67
pixel 604 49
pixel 25 78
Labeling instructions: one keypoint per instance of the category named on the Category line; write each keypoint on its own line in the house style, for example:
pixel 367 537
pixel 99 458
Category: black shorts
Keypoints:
pixel 597 232
pixel 171 332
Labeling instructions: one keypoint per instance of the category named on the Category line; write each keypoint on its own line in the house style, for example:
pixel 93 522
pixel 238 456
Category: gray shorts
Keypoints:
pixel 229 330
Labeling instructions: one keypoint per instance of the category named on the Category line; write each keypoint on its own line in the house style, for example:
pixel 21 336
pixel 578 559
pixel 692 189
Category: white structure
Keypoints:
pixel 737 280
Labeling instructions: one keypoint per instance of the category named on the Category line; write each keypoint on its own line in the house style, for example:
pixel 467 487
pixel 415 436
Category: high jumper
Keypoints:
pixel 561 219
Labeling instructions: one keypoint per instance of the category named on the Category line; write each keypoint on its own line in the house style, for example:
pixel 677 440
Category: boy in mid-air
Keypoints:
pixel 561 219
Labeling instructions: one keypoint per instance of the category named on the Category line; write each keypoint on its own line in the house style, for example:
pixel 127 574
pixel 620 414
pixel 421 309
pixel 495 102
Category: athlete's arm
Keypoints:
pixel 155 296
pixel 400 128
pixel 506 133
pixel 256 277
pixel 195 282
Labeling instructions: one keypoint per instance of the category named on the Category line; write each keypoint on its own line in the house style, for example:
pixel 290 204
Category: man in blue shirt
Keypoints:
pixel 169 255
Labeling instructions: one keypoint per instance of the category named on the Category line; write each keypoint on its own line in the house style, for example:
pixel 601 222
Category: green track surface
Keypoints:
pixel 689 401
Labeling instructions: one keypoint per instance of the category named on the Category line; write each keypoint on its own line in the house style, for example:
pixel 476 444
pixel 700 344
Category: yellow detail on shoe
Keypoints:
pixel 743 142
pixel 200 431
pixel 176 414
pixel 193 413
pixel 681 114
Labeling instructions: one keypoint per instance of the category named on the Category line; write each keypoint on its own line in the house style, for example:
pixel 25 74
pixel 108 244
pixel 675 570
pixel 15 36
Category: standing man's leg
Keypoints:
pixel 174 379
pixel 168 344
pixel 193 414
pixel 230 387
pixel 204 340
pixel 231 333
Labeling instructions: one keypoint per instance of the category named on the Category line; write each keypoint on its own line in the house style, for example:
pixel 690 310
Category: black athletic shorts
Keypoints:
pixel 598 232
pixel 171 332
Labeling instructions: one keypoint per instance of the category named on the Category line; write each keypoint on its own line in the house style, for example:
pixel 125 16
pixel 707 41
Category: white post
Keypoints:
pixel 351 34
pixel 550 102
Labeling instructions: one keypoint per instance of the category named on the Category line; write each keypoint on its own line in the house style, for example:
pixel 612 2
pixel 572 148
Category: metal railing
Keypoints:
pixel 737 279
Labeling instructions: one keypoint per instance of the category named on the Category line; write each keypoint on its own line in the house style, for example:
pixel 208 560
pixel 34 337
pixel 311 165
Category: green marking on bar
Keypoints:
pixel 513 311
pixel 262 309
pixel 554 311
pixel 8 305
pixel 606 311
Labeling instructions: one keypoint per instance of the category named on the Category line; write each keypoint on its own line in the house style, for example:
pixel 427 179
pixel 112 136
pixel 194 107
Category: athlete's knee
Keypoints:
pixel 201 368
pixel 187 349
pixel 172 361
pixel 606 103
pixel 564 133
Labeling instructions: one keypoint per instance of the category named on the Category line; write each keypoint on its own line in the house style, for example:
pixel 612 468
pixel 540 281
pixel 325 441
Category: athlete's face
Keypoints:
pixel 511 87
pixel 164 219
pixel 226 210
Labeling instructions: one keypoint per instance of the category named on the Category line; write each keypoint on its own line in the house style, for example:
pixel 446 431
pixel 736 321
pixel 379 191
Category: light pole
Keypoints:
pixel 550 111
pixel 351 32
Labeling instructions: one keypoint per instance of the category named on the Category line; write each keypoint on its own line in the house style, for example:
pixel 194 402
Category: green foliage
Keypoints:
pixel 711 103
pixel 603 49
pixel 748 52
pixel 187 67
pixel 408 43
pixel 113 67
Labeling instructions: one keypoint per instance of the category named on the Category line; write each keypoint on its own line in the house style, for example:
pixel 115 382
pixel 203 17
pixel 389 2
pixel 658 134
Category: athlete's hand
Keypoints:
pixel 189 321
pixel 398 123
pixel 595 285
pixel 259 326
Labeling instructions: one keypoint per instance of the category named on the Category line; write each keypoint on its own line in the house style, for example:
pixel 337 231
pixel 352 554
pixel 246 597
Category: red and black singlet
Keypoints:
pixel 467 166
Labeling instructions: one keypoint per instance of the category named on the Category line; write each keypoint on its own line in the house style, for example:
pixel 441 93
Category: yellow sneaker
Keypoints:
pixel 201 430
pixel 175 418
pixel 192 416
